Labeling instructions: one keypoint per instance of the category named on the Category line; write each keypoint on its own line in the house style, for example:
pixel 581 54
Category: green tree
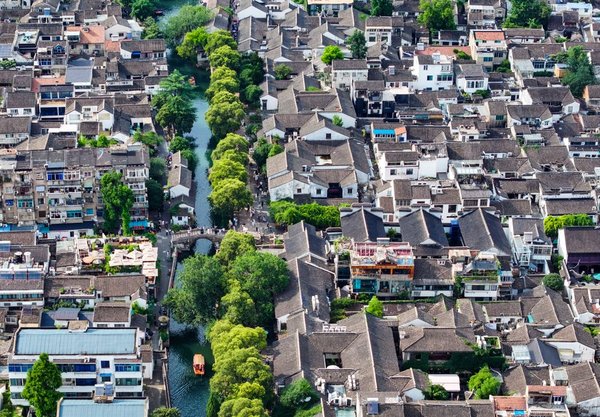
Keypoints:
pixel 226 336
pixel 243 407
pixel 176 116
pixel 236 156
pixel 337 120
pixel 275 149
pixel 251 94
pixel 298 393
pixel 580 71
pixel 212 405
pixel 151 139
pixel 41 386
pixel 151 29
pixel 158 170
pixel 224 169
pixel 230 142
pixel 218 39
pixel 357 44
pixel 381 7
pixel 553 223
pixel 180 143
pixel 118 201
pixel 553 281
pixel 234 245
pixel 188 49
pixel 225 56
pixel 436 392
pixel 282 71
pixel 201 286
pixel 436 15
pixel 166 412
pixel 219 73
pixel 237 368
pixel 483 384
pixel 253 69
pixel 527 14
pixel 186 20
pixel 375 307
pixel 239 306
pixel 231 85
pixel 142 9
pixel 262 275
pixel 225 114
pixel 156 195
pixel 232 195
pixel 177 84
pixel 288 212
pixel 331 53
pixel 191 158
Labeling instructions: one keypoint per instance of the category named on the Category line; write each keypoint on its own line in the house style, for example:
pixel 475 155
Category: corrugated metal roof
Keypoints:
pixel 63 342
pixel 88 408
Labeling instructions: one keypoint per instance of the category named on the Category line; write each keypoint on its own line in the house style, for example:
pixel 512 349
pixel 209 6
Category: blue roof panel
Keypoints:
pixel 88 408
pixel 105 341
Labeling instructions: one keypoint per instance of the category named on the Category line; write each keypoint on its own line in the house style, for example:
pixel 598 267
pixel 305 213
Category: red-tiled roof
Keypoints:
pixel 509 403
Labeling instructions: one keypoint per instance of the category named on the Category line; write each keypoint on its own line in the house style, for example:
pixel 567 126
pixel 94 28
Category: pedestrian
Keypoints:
pixel 262 204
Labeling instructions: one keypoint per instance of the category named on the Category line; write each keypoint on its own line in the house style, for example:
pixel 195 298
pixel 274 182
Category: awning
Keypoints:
pixel 139 224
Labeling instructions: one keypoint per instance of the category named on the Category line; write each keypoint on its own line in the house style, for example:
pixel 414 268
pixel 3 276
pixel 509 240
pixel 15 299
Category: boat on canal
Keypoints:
pixel 198 364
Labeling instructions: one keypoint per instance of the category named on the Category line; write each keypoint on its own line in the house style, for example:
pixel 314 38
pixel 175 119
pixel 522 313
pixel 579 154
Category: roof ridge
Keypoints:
pixel 371 350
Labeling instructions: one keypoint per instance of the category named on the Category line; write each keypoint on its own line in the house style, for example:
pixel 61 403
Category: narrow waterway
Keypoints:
pixel 189 393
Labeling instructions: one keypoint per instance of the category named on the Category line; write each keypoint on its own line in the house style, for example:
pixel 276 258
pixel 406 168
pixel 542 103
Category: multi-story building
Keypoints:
pixel 63 187
pixel 432 72
pixel 85 356
pixel 488 47
pixel 383 268
pixel 481 278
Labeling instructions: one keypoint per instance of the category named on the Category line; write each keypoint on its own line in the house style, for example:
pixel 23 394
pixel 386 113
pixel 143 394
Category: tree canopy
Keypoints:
pixel 201 286
pixel 331 53
pixel 580 71
pixel 219 39
pixel 282 71
pixel 553 223
pixel 188 49
pixel 375 307
pixel 225 168
pixel 226 336
pixel 177 115
pixel 298 393
pixel 234 245
pixel 166 412
pixel 357 44
pixel 151 29
pixel 225 114
pixel 156 195
pixel 231 141
pixel 232 195
pixel 437 15
pixel 527 14
pixel 142 9
pixel 186 20
pixel 553 281
pixel 118 201
pixel 41 386
pixel 225 56
pixel 288 212
pixel 239 306
pixel 243 407
pixel 381 7
pixel 483 384
pixel 436 392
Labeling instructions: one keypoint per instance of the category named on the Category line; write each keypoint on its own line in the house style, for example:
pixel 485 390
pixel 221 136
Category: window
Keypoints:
pixel 349 190
pixel 327 135
pixel 392 172
pixel 127 367
pixel 425 67
pixel 488 59
pixel 319 191
pixel 409 171
pixel 298 190
pixel 128 381
pixel 17 381
pixel 499 117
pixel 85 382
pixel 430 78
pixel 105 364
pixel 18 367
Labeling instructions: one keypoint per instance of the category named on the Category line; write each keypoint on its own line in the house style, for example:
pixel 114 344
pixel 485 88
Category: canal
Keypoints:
pixel 189 393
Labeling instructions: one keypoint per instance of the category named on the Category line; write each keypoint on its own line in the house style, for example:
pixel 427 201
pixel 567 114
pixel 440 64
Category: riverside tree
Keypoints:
pixel 41 386
pixel 233 245
pixel 189 18
pixel 225 114
pixel 202 284
pixel 231 195
pixel 225 168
